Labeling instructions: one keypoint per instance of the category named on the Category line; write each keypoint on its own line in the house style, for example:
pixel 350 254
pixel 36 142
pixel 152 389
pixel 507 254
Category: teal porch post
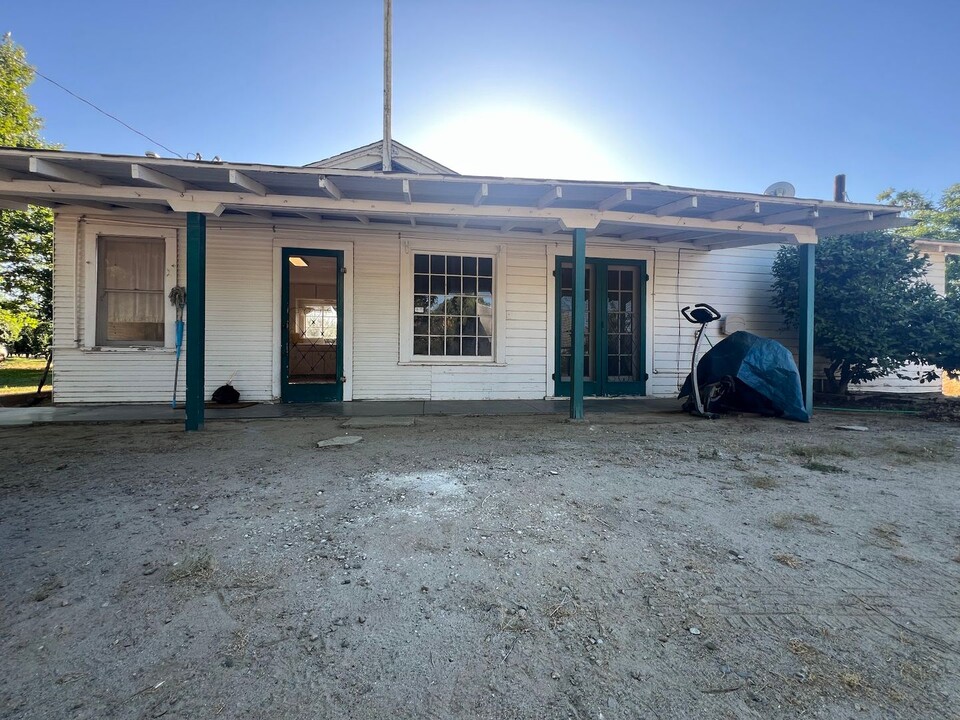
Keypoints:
pixel 807 285
pixel 196 300
pixel 577 316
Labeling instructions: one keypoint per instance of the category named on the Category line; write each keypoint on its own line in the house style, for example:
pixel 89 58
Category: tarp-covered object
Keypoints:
pixel 764 374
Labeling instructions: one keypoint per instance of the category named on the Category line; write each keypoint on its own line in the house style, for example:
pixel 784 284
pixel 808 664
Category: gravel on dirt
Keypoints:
pixel 482 567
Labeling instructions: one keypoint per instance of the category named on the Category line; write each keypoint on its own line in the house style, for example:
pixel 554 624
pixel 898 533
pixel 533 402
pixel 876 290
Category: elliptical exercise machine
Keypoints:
pixel 700 314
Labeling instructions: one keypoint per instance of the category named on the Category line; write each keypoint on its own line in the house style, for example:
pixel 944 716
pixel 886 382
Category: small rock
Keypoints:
pixel 344 643
pixel 361 619
pixel 853 428
pixel 314 637
pixel 150 571
pixel 711 645
pixel 554 472
pixel 694 631
pixel 194 507
pixel 64 603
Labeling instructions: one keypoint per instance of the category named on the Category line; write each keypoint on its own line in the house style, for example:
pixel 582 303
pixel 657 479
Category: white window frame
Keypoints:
pixel 91 256
pixel 497 253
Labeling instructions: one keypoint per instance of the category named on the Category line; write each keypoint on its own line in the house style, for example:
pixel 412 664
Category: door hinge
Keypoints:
pixel 553 272
pixel 553 376
pixel 646 376
pixel 343 271
pixel 343 378
pixel 646 278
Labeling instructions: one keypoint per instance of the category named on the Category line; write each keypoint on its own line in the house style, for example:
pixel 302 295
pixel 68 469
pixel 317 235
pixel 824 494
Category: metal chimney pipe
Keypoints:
pixel 839 186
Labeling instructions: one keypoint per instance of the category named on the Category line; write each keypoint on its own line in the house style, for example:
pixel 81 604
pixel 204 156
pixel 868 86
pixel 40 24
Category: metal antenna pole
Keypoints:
pixel 387 83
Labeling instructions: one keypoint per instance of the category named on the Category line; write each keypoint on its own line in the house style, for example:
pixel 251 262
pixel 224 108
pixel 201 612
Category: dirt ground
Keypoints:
pixel 649 566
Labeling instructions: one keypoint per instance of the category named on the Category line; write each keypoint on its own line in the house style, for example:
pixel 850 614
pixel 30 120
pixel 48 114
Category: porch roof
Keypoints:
pixel 644 212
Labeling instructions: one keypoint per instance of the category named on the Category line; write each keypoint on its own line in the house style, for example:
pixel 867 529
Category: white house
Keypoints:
pixel 340 282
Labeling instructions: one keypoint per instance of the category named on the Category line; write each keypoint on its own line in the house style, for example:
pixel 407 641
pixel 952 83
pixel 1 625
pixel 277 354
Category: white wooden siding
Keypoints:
pixel 242 318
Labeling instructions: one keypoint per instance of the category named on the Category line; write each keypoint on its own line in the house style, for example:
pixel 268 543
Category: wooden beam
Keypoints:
pixel 11 204
pixel 481 195
pixel 155 177
pixel 738 241
pixel 507 227
pixel 884 222
pixel 615 200
pixel 550 197
pixel 407 195
pixel 362 219
pixel 61 172
pixel 687 203
pixel 553 229
pixel 737 211
pixel 791 216
pixel 266 214
pixel 866 216
pixel 6 175
pixel 330 188
pixel 246 182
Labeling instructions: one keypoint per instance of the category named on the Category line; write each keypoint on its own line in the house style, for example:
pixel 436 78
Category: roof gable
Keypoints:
pixel 370 157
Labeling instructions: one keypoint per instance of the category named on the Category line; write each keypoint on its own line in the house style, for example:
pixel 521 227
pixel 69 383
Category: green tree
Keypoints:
pixel 874 310
pixel 936 219
pixel 26 238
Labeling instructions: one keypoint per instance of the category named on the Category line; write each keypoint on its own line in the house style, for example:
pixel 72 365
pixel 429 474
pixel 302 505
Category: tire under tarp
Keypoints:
pixel 764 372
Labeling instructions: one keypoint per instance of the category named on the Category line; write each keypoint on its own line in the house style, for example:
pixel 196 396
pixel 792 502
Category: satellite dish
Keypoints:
pixel 781 189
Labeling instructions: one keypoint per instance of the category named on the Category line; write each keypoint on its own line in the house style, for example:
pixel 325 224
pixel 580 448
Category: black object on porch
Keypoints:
pixel 763 373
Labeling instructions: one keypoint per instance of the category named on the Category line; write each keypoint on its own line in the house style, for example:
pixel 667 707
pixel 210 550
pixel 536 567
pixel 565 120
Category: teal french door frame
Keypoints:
pixel 308 392
pixel 600 385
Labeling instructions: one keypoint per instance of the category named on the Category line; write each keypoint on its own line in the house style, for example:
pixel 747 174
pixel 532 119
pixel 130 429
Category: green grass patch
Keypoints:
pixel 21 375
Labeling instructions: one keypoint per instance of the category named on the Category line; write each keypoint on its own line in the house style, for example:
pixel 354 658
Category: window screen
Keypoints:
pixel 452 305
pixel 130 302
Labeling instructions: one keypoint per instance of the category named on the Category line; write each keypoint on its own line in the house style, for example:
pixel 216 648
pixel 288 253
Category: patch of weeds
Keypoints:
pixel 886 536
pixel 195 568
pixel 712 454
pixel 791 561
pixel 818 466
pixel 785 521
pixel 809 452
pixel 851 680
pixel 914 671
pixel 800 648
pixel 762 482
pixel 48 588
pixel 920 453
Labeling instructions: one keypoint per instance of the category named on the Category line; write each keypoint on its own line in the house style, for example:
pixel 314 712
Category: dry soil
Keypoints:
pixel 653 566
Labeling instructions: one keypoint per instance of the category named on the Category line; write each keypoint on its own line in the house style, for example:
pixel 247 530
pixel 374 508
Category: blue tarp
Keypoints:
pixel 765 376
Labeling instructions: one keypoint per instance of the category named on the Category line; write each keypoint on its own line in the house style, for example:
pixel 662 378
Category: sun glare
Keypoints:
pixel 518 142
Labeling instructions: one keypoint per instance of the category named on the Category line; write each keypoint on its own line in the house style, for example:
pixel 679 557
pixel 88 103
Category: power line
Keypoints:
pixel 100 109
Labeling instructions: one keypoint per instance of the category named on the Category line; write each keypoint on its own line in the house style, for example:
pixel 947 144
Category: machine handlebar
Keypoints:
pixel 700 314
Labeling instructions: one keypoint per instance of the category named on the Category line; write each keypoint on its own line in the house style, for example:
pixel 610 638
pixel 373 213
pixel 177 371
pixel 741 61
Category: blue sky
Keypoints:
pixel 725 95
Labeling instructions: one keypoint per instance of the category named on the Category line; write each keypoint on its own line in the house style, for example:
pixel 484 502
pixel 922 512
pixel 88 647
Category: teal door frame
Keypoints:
pixel 599 386
pixel 308 392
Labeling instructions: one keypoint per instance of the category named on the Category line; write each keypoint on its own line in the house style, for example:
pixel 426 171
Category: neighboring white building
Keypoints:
pixel 339 281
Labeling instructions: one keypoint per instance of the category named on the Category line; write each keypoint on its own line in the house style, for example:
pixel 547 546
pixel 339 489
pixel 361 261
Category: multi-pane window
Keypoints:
pixel 452 305
pixel 130 302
